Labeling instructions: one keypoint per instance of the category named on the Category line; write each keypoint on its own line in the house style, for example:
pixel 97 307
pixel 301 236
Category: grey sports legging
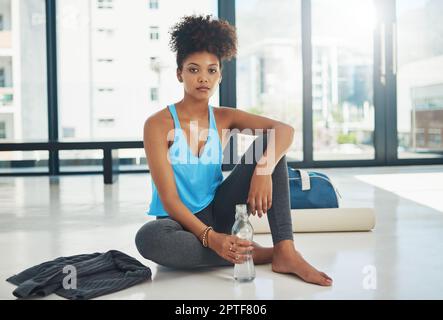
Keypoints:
pixel 165 242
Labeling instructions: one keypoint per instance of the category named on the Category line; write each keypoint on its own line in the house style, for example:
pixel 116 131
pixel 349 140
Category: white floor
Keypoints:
pixel 42 219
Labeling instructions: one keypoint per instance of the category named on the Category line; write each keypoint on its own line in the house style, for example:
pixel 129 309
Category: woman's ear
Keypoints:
pixel 179 77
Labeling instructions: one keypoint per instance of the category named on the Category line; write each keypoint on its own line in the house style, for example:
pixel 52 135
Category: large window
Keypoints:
pixel 269 64
pixel 23 88
pixel 420 78
pixel 342 78
pixel 115 67
pixel 366 61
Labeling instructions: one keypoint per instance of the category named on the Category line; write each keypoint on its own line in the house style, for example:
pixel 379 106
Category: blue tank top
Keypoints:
pixel 196 178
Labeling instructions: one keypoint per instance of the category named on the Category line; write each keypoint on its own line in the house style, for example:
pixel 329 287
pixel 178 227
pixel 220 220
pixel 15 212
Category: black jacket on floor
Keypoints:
pixel 96 274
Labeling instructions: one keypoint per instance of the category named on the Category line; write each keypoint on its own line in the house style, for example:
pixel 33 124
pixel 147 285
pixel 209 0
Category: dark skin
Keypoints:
pixel 203 69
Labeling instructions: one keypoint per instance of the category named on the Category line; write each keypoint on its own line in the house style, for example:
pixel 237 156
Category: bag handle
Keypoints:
pixel 305 180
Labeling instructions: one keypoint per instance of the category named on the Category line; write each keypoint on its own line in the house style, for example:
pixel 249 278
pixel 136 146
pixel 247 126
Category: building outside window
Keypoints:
pixel 105 4
pixel 154 33
pixel 2 130
pixel 153 4
pixel 68 132
pixel 23 82
pixel 2 78
pixel 154 94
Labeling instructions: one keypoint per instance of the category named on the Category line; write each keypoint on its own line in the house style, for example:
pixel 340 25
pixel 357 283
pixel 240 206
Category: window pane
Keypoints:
pixel 342 78
pixel 23 90
pixel 420 78
pixel 24 161
pixel 115 65
pixel 81 160
pixel 132 159
pixel 92 160
pixel 269 63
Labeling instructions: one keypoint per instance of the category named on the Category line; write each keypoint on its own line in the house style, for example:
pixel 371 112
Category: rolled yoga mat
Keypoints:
pixel 323 220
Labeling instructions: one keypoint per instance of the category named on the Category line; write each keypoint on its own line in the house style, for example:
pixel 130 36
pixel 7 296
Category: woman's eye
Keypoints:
pixel 193 70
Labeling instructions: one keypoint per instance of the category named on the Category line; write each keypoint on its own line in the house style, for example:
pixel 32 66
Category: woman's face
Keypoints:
pixel 200 75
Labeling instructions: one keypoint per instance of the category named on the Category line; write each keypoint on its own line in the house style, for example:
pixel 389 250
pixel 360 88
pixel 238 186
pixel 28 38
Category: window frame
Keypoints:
pixel 385 133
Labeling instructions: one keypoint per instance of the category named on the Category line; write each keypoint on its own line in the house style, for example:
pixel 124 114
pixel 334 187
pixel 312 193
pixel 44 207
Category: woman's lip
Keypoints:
pixel 203 89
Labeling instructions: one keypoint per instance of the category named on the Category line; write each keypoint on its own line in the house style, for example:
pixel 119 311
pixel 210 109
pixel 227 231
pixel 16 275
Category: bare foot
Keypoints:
pixel 262 255
pixel 294 263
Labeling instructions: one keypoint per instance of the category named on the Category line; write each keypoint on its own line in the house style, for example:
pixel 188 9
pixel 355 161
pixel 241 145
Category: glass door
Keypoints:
pixel 269 65
pixel 343 79
pixel 419 69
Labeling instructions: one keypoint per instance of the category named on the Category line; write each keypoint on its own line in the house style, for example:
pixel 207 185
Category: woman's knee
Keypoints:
pixel 160 242
pixel 149 237
pixel 282 165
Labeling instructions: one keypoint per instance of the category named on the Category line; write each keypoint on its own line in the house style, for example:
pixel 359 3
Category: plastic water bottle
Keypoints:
pixel 242 228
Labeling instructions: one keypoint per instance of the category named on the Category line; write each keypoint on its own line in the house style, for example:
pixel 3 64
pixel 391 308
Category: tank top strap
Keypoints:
pixel 212 122
pixel 173 112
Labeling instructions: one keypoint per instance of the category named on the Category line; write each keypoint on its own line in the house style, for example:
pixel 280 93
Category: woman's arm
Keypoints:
pixel 281 136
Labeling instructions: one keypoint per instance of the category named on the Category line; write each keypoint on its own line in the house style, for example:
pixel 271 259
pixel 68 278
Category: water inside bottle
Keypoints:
pixel 244 272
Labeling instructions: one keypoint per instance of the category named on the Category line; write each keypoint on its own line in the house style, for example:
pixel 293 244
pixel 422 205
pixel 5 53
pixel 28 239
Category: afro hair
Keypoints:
pixel 198 33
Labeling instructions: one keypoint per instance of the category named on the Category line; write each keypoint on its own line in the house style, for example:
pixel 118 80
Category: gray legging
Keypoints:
pixel 165 242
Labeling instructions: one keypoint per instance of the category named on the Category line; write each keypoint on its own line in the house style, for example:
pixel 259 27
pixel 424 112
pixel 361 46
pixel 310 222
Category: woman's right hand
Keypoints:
pixel 229 247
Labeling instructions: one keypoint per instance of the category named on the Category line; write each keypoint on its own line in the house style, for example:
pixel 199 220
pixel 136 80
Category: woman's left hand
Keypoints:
pixel 260 194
